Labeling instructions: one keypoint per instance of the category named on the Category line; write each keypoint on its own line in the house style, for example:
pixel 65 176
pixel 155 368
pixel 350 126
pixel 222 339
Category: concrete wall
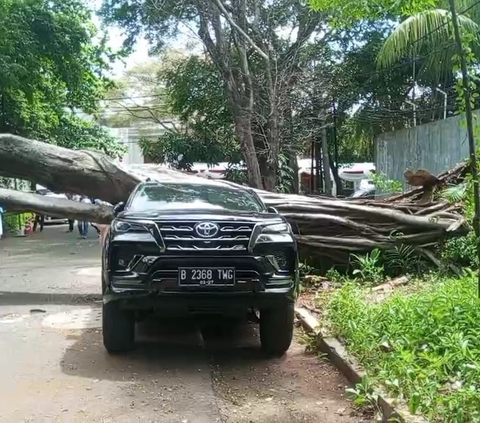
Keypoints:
pixel 436 146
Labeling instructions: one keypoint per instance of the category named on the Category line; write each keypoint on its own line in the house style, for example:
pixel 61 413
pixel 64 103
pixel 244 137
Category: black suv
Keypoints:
pixel 198 247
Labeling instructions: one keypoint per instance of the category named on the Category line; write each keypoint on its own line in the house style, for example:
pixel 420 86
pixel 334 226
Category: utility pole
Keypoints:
pixel 312 167
pixel 470 132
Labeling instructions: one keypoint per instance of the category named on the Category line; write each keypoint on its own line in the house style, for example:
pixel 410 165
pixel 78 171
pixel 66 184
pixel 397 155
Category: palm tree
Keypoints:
pixel 428 37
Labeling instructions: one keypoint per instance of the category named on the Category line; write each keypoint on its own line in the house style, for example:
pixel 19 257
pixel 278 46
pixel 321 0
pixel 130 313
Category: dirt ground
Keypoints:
pixel 54 368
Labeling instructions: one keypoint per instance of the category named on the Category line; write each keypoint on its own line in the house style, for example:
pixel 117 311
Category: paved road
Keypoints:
pixel 54 369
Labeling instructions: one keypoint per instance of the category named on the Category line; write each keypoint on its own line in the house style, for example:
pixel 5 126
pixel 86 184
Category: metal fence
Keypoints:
pixel 436 147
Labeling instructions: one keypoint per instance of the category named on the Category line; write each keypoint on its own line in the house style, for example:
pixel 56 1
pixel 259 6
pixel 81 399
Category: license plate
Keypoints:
pixel 206 276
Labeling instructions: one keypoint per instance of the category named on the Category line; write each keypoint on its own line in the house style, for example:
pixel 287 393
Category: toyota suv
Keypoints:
pixel 198 247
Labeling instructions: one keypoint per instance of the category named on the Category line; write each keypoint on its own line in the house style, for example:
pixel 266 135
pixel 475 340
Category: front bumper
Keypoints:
pixel 152 282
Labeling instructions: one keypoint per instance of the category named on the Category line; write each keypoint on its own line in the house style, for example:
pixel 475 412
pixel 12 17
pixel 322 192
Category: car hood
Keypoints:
pixel 187 215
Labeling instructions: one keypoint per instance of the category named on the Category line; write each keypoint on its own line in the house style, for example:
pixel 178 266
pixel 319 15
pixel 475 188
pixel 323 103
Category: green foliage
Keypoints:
pixel 51 65
pixel 235 173
pixel 346 12
pixel 368 267
pixel 194 92
pixel 305 269
pixel 286 174
pixel 386 186
pixel 333 275
pixel 423 347
pixel 181 151
pixel 461 251
pixel 138 97
pixel 309 340
pixel 455 193
pixel 403 260
pixel 423 33
pixel 363 394
pixel 77 133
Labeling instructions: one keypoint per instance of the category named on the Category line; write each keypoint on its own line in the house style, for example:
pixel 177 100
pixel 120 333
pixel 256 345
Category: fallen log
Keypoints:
pixel 326 227
pixel 63 170
pixel 22 201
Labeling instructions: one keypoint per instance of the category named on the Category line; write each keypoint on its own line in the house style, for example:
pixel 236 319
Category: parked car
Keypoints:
pixel 53 220
pixel 205 247
pixel 366 190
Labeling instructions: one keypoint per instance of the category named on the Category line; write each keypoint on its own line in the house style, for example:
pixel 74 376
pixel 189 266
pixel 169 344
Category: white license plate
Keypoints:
pixel 206 276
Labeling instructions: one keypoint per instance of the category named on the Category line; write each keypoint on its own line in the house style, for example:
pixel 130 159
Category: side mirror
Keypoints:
pixel 272 210
pixel 120 207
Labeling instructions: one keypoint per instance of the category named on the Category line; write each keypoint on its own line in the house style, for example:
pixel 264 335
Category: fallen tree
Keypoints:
pixel 23 201
pixel 325 226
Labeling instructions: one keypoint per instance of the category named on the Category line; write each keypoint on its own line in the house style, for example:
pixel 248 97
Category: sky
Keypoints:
pixel 115 41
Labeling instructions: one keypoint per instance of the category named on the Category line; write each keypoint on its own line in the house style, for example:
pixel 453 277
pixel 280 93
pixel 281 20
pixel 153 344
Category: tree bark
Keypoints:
pixel 336 177
pixel 64 170
pixel 326 227
pixel 243 126
pixel 23 201
pixel 326 159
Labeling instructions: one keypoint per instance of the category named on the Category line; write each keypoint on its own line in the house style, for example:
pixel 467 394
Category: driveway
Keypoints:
pixel 54 368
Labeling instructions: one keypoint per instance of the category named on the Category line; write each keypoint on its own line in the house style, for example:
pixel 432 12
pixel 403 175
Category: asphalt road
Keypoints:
pixel 53 367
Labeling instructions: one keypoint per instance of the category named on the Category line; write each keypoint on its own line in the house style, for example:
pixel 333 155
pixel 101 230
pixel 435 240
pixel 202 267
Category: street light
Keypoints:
pixel 445 95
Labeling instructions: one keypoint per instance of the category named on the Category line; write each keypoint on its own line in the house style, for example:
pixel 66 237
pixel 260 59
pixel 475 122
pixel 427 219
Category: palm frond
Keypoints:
pixel 424 32
pixel 455 193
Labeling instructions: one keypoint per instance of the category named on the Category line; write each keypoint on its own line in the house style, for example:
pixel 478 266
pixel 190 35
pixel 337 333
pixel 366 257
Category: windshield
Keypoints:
pixel 190 197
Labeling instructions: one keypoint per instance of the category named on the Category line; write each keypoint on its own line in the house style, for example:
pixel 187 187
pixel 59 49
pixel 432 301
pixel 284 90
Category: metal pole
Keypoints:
pixel 414 111
pixel 312 186
pixel 471 136
pixel 413 91
pixel 335 140
pixel 444 102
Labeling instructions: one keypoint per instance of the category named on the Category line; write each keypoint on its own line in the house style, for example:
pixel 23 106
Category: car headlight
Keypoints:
pixel 279 232
pixel 121 226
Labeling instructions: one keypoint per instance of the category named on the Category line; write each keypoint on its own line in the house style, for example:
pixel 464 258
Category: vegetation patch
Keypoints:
pixel 422 346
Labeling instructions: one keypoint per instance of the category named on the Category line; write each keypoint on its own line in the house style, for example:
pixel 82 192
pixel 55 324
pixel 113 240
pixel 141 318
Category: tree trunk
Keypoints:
pixel 243 126
pixel 64 170
pixel 328 227
pixel 336 177
pixel 23 201
pixel 326 160
pixel 273 133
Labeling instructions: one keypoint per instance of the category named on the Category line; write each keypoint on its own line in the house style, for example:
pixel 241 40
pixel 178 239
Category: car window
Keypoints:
pixel 185 196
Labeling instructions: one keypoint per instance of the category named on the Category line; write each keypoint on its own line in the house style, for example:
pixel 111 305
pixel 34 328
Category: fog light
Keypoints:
pixel 281 258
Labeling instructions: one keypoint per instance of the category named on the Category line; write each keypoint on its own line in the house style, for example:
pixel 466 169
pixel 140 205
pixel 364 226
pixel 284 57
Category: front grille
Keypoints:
pixel 182 236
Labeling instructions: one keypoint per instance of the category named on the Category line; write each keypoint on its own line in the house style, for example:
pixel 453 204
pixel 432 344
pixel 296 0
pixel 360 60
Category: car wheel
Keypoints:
pixel 276 329
pixel 118 328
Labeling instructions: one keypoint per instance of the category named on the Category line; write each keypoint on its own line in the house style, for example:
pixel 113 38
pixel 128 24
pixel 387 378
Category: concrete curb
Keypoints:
pixel 353 371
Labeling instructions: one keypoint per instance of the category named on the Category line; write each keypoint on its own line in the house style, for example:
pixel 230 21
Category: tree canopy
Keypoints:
pixel 51 68
pixel 254 59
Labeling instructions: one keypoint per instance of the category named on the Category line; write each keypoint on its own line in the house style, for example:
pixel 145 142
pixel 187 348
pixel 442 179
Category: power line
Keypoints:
pixel 134 97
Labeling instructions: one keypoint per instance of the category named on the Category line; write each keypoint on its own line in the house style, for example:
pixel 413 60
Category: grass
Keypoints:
pixel 423 346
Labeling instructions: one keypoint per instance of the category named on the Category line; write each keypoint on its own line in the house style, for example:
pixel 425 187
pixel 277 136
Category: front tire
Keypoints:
pixel 118 328
pixel 276 329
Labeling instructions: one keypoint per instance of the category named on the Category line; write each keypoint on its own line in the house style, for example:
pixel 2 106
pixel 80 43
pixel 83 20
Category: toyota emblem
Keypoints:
pixel 207 229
